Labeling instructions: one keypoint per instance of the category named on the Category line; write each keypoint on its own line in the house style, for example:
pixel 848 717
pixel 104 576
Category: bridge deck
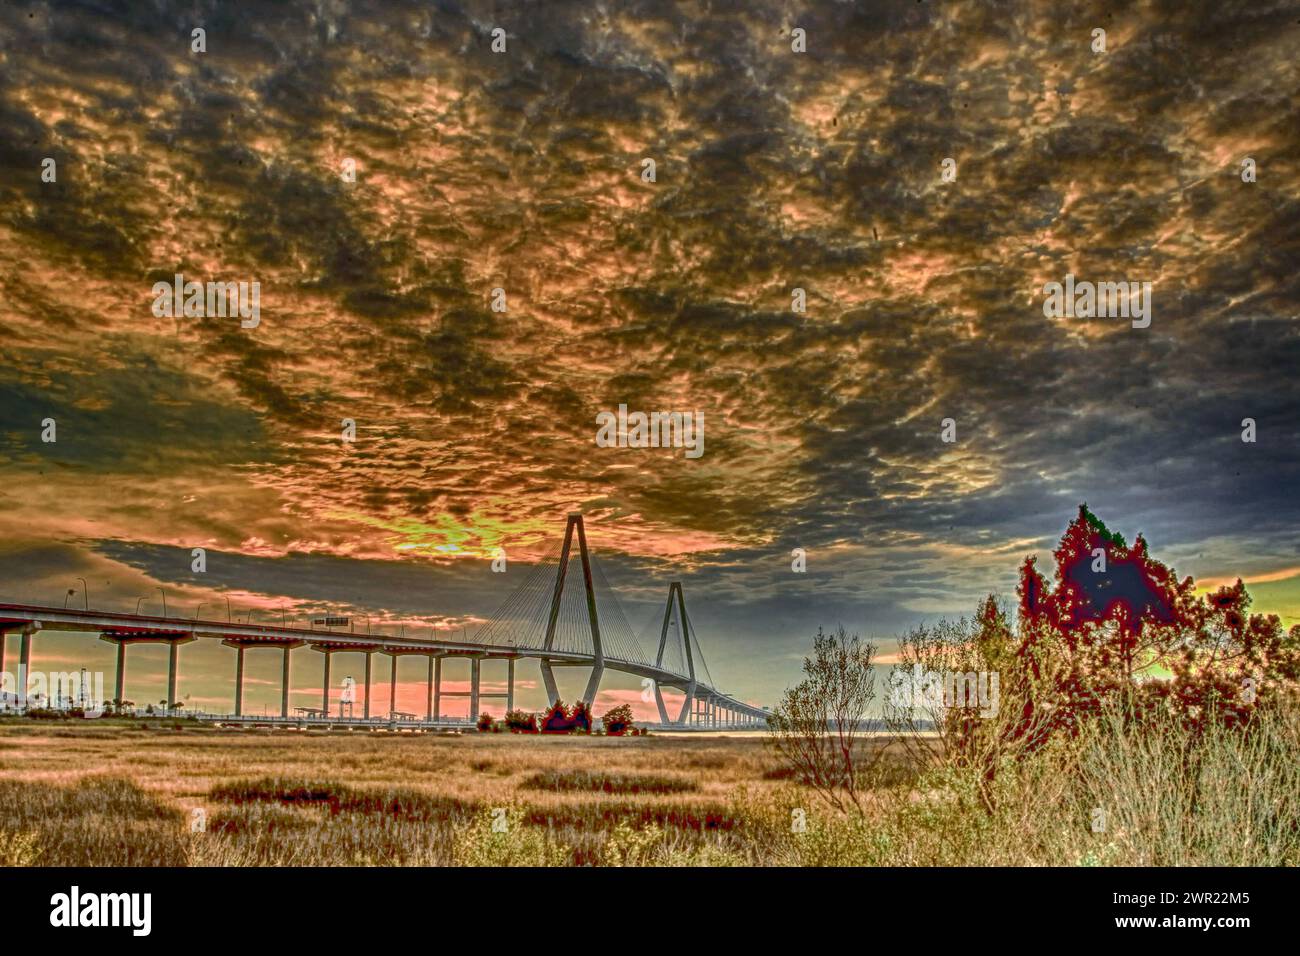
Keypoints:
pixel 142 627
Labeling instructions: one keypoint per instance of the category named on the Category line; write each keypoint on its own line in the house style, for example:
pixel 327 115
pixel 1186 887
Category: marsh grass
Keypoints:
pixel 603 782
pixel 101 821
pixel 1170 798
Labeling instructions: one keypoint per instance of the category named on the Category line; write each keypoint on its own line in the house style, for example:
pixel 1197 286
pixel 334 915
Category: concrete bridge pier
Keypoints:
pixel 369 663
pixel 119 685
pixel 437 686
pixel 284 683
pixel 325 683
pixel 688 705
pixel 392 688
pixel 286 646
pixel 121 639
pixel 473 687
pixel 428 707
pixel 24 665
pixel 659 702
pixel 548 681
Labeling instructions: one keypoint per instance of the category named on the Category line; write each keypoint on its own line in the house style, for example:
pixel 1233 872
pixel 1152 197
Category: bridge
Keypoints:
pixel 553 621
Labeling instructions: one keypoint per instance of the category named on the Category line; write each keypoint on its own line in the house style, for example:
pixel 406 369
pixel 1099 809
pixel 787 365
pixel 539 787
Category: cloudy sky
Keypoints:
pixel 522 170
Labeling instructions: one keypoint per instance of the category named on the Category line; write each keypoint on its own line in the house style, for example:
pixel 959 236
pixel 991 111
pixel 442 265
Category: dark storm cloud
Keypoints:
pixel 521 171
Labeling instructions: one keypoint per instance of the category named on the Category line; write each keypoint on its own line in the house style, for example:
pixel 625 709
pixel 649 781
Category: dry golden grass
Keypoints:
pixel 112 793
pixel 362 797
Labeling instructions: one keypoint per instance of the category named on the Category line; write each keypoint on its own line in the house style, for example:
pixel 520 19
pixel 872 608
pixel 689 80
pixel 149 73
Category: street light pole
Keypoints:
pixel 85 592
pixel 164 597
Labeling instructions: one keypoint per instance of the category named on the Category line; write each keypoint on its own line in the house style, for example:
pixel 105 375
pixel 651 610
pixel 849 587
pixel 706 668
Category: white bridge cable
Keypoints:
pixel 697 656
pixel 674 660
pixel 521 619
pixel 617 638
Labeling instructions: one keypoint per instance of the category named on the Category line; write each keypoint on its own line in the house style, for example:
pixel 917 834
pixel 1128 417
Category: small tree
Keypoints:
pixel 580 718
pixel 518 722
pixel 619 721
pixel 815 726
pixel 961 694
pixel 556 720
pixel 485 722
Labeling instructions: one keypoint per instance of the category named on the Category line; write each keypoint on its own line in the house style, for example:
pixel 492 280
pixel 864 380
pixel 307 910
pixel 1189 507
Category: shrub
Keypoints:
pixel 556 720
pixel 619 721
pixel 518 722
pixel 580 718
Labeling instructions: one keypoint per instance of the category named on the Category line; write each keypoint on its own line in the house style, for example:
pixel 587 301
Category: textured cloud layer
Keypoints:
pixel 522 171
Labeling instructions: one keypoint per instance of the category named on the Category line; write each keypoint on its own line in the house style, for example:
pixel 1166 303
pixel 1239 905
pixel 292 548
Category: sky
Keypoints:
pixel 523 171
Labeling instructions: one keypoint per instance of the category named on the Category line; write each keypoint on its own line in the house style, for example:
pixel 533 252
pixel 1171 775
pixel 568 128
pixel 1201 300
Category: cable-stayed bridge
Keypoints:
pixel 563 614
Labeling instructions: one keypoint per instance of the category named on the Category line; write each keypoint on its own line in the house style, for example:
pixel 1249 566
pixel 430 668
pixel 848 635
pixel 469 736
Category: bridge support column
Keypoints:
pixel 659 702
pixel 173 665
pixel 437 688
pixel 428 707
pixel 24 666
pixel 688 706
pixel 473 688
pixel 510 685
pixel 548 681
pixel 593 683
pixel 369 662
pixel 120 684
pixel 325 685
pixel 284 683
pixel 4 639
pixel 392 689
pixel 239 681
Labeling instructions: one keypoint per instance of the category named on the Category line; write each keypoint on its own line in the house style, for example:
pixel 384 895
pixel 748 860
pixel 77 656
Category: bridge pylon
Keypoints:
pixel 598 656
pixel 675 590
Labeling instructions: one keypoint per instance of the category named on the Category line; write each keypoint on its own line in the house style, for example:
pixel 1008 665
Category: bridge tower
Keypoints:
pixel 598 662
pixel 675 590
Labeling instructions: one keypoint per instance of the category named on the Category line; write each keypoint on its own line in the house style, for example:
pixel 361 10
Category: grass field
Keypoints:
pixel 126 793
